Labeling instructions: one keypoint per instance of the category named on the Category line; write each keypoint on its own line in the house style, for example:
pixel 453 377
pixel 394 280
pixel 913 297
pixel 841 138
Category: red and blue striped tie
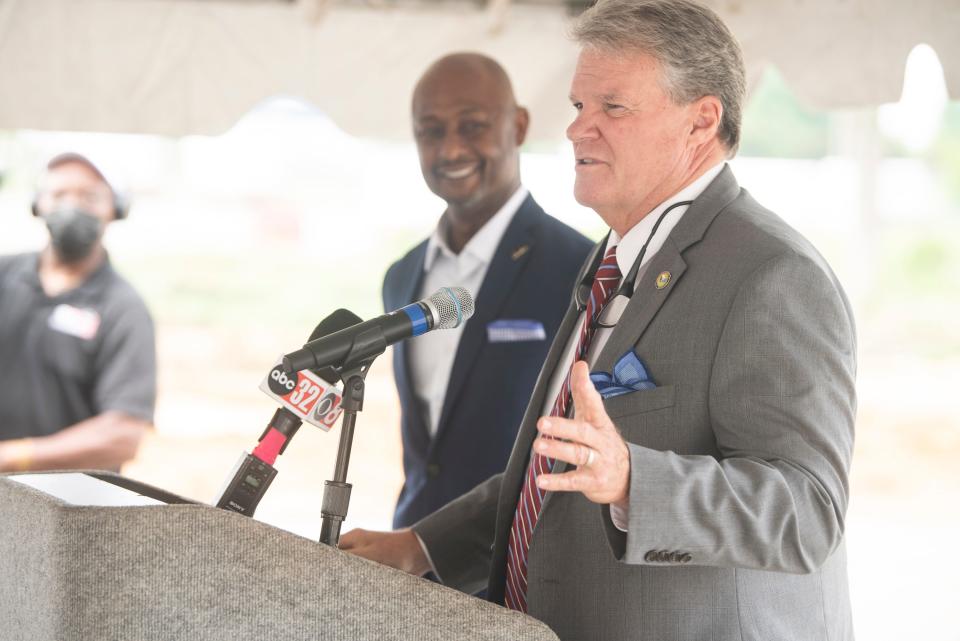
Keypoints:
pixel 531 497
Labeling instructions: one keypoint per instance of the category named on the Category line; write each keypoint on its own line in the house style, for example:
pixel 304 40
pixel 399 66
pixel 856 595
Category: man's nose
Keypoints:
pixel 452 146
pixel 582 128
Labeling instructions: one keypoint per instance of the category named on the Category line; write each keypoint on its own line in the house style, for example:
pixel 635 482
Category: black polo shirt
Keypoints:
pixel 69 357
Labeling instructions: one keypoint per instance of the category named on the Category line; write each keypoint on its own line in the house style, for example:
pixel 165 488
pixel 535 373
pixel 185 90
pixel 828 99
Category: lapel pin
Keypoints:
pixel 663 280
pixel 519 252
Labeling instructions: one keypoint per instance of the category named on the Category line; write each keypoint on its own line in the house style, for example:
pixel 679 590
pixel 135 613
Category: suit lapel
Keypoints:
pixel 410 282
pixel 665 270
pixel 649 295
pixel 412 278
pixel 505 267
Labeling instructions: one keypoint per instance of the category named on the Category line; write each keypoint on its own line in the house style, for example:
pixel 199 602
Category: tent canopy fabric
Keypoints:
pixel 179 67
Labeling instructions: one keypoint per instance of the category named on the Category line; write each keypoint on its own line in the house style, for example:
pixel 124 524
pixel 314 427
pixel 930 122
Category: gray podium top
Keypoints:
pixel 188 571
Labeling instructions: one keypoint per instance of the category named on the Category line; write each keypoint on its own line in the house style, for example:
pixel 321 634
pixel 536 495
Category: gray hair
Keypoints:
pixel 697 53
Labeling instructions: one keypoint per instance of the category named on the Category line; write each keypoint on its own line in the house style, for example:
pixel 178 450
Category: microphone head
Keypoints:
pixel 451 307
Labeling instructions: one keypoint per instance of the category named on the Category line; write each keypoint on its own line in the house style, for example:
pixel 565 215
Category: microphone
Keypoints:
pixel 308 396
pixel 446 308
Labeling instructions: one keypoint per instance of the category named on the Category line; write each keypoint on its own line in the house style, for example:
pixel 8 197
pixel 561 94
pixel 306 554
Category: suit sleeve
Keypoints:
pixel 459 537
pixel 782 406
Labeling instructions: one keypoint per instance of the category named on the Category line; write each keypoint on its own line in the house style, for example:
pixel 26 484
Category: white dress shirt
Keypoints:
pixel 432 354
pixel 628 248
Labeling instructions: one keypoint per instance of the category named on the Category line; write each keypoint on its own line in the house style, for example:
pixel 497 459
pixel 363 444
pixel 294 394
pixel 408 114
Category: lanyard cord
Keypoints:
pixel 627 285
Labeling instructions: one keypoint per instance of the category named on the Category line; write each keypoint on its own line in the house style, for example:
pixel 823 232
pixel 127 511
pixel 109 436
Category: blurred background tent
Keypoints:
pixel 178 67
pixel 266 145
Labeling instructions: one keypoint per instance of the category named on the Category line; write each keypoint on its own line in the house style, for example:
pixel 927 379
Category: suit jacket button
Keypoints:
pixel 686 557
pixel 433 470
pixel 650 557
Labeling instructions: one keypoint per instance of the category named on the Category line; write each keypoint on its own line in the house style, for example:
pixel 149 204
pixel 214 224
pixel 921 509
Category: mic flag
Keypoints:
pixel 308 396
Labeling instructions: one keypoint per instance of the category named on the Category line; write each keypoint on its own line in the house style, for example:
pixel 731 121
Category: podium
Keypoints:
pixel 168 569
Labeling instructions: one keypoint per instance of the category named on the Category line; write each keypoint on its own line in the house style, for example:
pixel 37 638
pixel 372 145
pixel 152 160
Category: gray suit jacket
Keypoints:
pixel 739 457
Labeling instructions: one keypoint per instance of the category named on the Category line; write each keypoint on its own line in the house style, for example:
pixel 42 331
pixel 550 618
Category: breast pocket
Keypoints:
pixel 646 417
pixel 516 354
pixel 66 356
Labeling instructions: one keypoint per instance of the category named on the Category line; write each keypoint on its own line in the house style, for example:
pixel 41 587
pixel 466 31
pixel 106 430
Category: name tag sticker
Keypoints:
pixel 515 331
pixel 75 321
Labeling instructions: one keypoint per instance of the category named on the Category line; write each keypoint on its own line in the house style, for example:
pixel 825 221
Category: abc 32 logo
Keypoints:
pixel 305 395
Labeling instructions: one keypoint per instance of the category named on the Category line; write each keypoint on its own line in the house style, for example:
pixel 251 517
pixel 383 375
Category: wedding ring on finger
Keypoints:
pixel 590 455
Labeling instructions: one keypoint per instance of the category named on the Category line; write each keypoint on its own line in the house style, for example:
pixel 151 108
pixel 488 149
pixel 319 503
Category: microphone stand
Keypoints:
pixel 336 493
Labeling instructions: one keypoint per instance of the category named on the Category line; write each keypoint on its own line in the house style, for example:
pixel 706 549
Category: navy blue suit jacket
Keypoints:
pixel 529 278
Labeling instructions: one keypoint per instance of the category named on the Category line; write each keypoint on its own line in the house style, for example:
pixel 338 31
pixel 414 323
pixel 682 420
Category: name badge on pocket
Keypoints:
pixel 515 331
pixel 75 321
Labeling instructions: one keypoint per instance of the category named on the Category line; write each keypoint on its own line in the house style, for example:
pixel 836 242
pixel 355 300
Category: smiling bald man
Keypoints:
pixel 463 391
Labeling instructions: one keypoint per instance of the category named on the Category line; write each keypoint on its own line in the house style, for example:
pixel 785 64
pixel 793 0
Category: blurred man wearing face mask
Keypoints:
pixel 78 375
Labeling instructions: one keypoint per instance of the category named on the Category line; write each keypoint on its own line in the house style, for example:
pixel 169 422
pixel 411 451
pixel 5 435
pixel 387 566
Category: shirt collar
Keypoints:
pixel 27 269
pixel 29 272
pixel 628 247
pixel 484 243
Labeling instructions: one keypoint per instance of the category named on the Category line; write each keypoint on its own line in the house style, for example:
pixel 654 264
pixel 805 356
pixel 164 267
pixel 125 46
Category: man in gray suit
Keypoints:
pixel 700 487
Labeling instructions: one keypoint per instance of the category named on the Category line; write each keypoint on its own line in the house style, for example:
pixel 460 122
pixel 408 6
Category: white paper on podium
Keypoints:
pixel 80 489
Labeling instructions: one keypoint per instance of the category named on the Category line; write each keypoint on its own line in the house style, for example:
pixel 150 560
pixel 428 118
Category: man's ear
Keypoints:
pixel 707 113
pixel 521 121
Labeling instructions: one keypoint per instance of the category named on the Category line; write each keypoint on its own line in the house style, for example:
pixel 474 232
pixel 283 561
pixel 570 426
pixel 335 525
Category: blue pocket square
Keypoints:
pixel 629 375
pixel 515 331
